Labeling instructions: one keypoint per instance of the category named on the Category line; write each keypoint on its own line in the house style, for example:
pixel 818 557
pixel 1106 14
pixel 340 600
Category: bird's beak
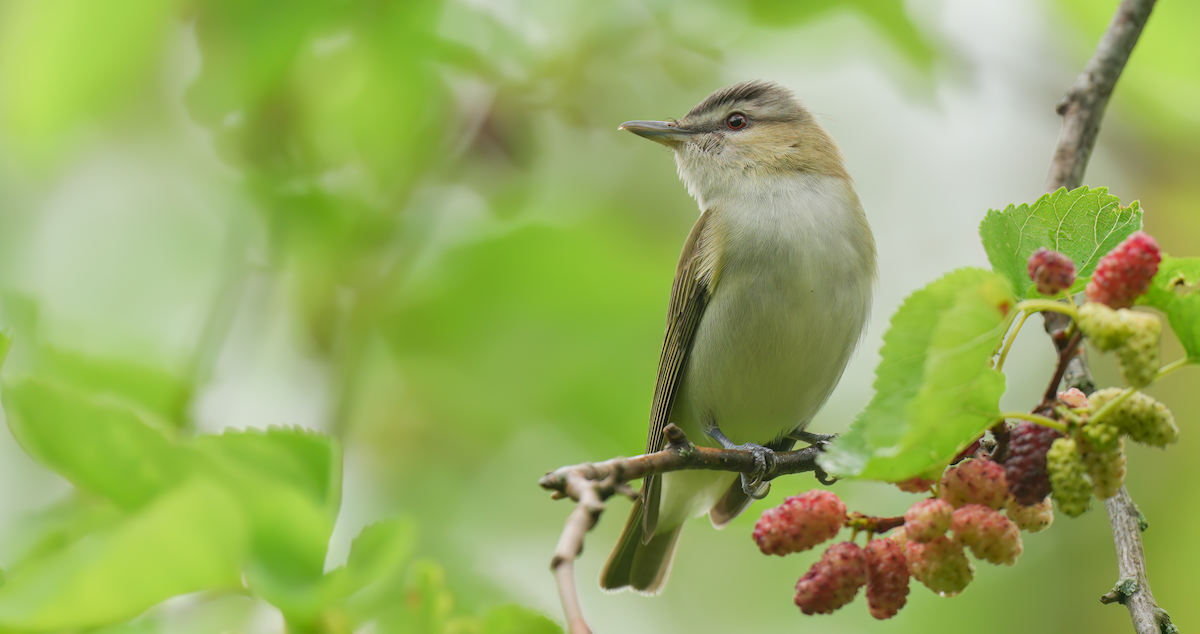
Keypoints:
pixel 666 132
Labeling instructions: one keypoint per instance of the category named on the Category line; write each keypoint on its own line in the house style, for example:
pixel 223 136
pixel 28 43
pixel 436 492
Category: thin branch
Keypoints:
pixel 590 484
pixel 1082 108
pixel 1066 355
pixel 1083 105
pixel 1133 588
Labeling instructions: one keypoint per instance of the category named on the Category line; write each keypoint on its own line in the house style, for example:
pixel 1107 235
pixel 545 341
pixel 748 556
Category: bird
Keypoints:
pixel 772 294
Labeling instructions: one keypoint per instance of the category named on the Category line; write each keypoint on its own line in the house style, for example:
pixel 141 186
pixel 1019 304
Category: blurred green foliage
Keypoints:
pixel 415 199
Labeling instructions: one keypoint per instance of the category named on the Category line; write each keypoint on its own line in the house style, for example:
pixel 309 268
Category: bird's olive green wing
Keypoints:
pixel 689 296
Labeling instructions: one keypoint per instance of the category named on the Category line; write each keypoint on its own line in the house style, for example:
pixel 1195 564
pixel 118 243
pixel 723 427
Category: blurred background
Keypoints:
pixel 413 225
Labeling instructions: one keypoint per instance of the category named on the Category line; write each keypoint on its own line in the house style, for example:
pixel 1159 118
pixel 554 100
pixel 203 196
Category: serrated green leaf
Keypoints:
pixel 934 389
pixel 515 619
pixel 99 445
pixel 190 539
pixel 1175 291
pixel 1083 224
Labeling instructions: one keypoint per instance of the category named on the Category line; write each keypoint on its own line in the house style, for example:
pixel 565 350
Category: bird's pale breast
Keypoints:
pixel 791 299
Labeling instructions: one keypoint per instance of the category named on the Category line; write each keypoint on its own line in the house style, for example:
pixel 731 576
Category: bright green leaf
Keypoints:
pixel 514 619
pixel 1175 291
pixel 189 540
pixel 99 445
pixel 934 389
pixel 288 482
pixel 381 551
pixel 889 16
pixel 5 345
pixel 154 389
pixel 1083 224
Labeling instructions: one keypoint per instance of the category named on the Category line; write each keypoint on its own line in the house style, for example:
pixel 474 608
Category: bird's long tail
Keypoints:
pixel 642 567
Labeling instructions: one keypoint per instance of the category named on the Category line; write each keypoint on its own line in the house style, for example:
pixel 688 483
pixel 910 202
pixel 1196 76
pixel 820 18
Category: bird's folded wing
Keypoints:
pixel 693 285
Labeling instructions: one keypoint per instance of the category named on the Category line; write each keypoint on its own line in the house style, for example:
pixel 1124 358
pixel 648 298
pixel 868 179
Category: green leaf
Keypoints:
pixel 5 345
pixel 1175 290
pixel 514 619
pixel 288 482
pixel 100 446
pixel 154 389
pixel 189 540
pixel 64 61
pixel 380 551
pixel 1083 224
pixel 934 389
pixel 889 16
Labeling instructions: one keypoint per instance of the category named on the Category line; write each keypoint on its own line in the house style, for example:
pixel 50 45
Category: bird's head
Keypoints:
pixel 752 130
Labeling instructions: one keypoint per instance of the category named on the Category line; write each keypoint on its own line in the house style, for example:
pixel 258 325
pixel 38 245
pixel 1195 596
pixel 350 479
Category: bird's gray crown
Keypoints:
pixel 761 95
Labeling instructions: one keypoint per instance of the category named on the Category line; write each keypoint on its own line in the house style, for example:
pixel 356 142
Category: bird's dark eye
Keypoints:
pixel 736 121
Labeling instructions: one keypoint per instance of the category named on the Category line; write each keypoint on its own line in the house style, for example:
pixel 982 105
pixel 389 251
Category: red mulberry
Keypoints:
pixel 834 580
pixel 976 481
pixel 800 522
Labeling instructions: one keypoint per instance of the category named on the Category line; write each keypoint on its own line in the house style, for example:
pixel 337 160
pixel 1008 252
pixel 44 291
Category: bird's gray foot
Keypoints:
pixel 810 438
pixel 764 461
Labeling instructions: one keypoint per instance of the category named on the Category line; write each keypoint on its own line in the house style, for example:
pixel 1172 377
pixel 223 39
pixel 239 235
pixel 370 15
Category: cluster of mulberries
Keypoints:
pixel 930 546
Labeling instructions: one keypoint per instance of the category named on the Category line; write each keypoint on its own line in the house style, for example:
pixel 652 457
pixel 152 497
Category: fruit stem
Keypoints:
pixel 1011 338
pixel 1047 305
pixel 1173 366
pixel 1034 418
pixel 1121 398
pixel 1111 405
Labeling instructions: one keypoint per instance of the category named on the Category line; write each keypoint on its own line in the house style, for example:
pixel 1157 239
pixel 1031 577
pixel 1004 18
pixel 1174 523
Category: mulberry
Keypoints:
pixel 1142 418
pixel 834 580
pixel 1124 274
pixel 887 585
pixel 990 536
pixel 1052 271
pixel 1105 468
pixel 1071 488
pixel 940 564
pixel 975 481
pixel 1025 468
pixel 1031 519
pixel 800 522
pixel 928 519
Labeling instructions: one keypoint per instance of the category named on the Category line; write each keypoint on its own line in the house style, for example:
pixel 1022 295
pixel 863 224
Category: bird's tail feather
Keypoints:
pixel 641 567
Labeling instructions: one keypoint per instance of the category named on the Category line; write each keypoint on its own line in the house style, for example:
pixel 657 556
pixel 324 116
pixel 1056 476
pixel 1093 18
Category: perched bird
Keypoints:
pixel 771 296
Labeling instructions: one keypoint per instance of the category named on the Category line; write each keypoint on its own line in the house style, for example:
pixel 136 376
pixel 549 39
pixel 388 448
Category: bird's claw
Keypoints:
pixel 764 462
pixel 753 484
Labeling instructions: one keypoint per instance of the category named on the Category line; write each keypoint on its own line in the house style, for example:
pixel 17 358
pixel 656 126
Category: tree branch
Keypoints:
pixel 590 484
pixel 1083 105
pixel 1082 108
